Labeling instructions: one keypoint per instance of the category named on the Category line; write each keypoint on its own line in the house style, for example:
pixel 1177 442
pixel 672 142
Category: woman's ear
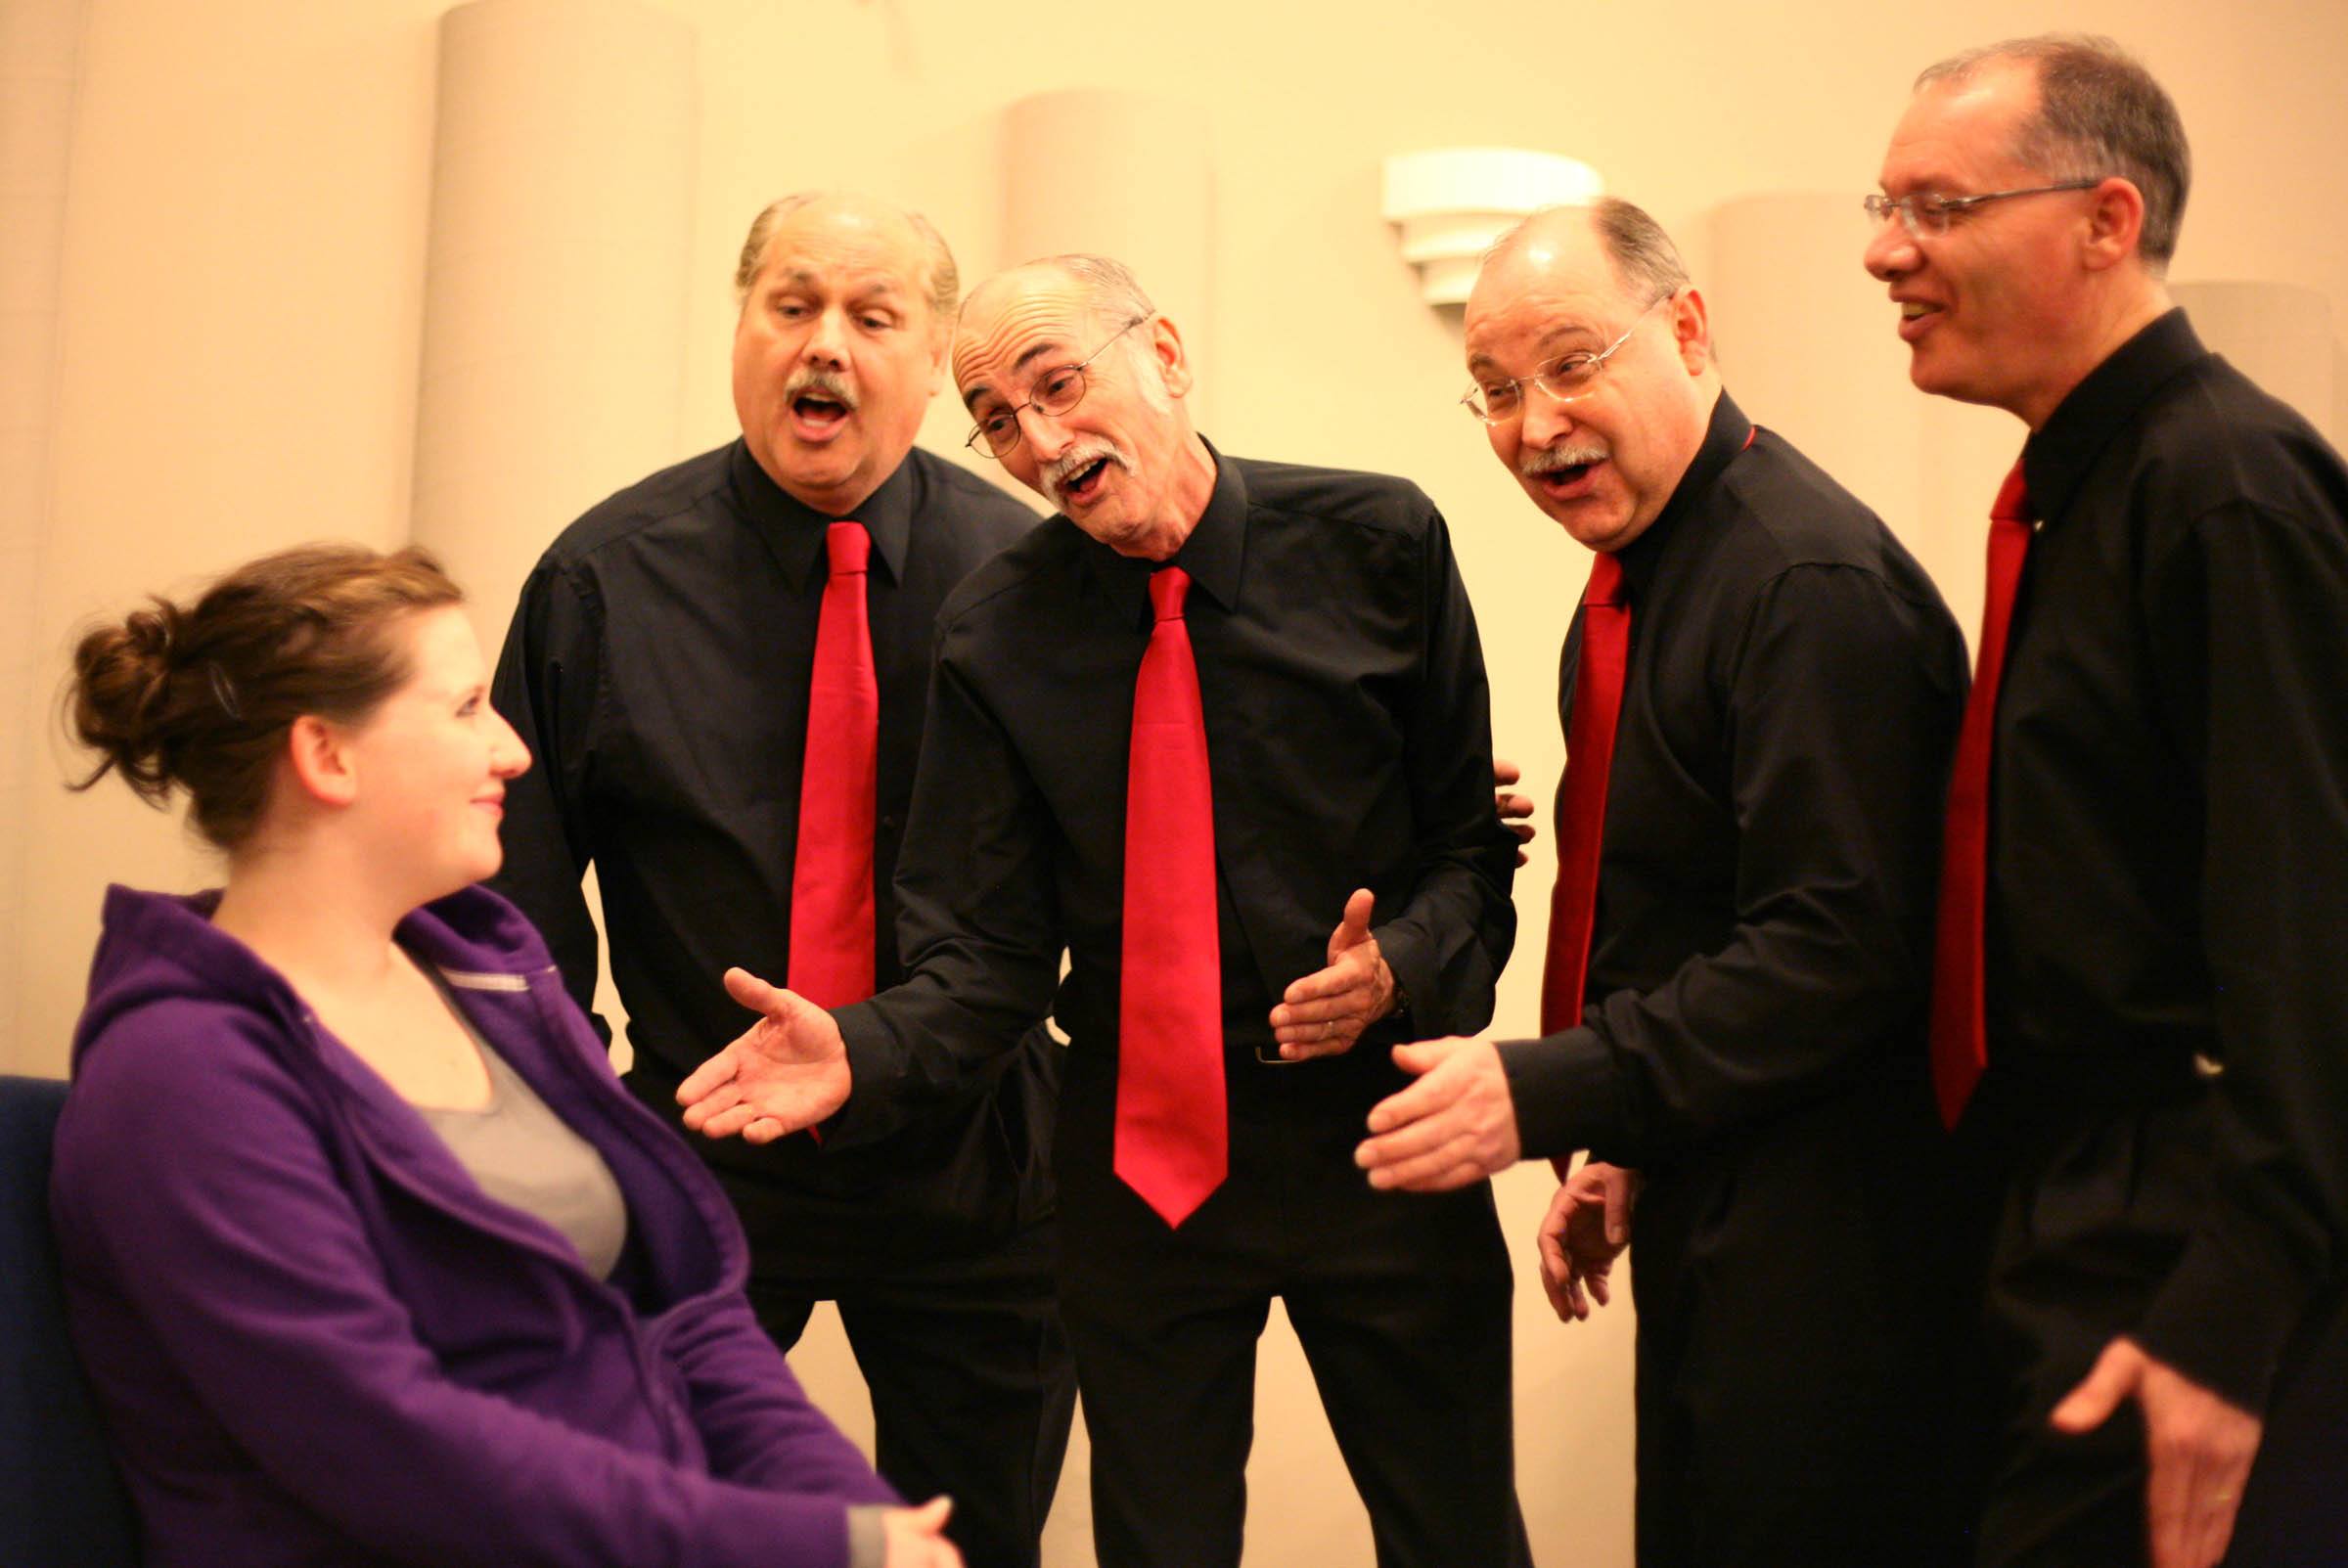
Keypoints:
pixel 318 754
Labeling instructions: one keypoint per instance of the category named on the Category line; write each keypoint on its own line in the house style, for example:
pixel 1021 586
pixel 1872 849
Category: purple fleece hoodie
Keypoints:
pixel 317 1342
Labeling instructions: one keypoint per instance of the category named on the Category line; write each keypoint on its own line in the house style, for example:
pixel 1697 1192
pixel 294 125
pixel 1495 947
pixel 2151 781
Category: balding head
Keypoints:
pixel 1645 261
pixel 840 342
pixel 1065 358
pixel 1106 287
pixel 941 281
pixel 2098 111
pixel 1592 360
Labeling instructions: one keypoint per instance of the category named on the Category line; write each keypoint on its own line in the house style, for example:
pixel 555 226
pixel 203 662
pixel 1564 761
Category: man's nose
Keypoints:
pixel 1543 419
pixel 828 340
pixel 1891 250
pixel 1043 433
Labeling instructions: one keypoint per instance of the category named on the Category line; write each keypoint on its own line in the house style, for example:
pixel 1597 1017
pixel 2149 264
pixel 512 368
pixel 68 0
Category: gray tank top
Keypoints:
pixel 524 1156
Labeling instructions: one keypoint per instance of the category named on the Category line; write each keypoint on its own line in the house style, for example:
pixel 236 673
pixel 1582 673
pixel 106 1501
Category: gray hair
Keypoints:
pixel 1645 262
pixel 1109 287
pixel 2099 114
pixel 943 287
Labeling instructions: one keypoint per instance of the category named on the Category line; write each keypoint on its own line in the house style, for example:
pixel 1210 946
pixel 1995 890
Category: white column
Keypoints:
pixel 557 277
pixel 1807 346
pixel 1125 175
pixel 40 55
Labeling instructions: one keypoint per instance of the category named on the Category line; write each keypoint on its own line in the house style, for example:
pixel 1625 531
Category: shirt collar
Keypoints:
pixel 1212 555
pixel 2057 458
pixel 1727 435
pixel 795 530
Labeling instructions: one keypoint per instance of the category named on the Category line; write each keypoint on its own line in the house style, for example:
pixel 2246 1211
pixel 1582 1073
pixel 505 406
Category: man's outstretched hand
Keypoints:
pixel 1324 1013
pixel 787 1072
pixel 2198 1446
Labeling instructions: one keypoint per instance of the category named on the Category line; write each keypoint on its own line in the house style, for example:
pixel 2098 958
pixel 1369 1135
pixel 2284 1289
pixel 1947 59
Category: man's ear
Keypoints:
pixel 2116 223
pixel 1691 330
pixel 1172 359
pixel 941 356
pixel 319 757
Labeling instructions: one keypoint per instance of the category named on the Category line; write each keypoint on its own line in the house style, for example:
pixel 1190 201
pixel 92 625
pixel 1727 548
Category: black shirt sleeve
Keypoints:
pixel 545 687
pixel 2248 670
pixel 976 922
pixel 1839 736
pixel 1448 942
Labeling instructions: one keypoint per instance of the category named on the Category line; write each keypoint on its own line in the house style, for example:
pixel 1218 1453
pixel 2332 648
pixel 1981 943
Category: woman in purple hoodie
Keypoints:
pixel 369 1256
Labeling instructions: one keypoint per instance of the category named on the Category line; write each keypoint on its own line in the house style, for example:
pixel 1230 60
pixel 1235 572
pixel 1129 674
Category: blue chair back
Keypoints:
pixel 62 1504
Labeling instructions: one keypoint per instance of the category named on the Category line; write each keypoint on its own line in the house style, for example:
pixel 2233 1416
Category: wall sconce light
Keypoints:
pixel 1451 203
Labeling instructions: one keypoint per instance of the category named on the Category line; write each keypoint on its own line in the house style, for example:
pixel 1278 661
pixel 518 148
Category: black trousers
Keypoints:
pixel 1792 1311
pixel 1401 1304
pixel 972 1383
pixel 2097 1203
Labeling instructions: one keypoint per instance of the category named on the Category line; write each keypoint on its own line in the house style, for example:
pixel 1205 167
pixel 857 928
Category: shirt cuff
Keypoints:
pixel 867 1536
pixel 1564 1090
pixel 868 1114
pixel 1413 980
pixel 2226 1315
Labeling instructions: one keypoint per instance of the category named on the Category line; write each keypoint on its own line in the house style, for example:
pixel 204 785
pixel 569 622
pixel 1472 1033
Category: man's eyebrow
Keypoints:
pixel 1578 328
pixel 1032 353
pixel 1483 361
pixel 1036 351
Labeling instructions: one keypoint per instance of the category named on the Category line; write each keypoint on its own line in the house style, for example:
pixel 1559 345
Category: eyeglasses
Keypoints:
pixel 1566 378
pixel 1055 392
pixel 1930 213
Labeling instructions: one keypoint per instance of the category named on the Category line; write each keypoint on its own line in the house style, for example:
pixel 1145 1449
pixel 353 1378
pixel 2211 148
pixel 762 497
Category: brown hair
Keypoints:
pixel 199 696
pixel 2099 114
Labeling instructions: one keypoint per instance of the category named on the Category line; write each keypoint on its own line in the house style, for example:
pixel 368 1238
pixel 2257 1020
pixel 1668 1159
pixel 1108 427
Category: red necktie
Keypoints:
pixel 832 932
pixel 1172 1142
pixel 1960 1046
pixel 1582 800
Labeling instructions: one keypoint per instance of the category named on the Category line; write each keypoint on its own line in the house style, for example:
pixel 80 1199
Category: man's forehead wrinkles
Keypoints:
pixel 978 355
pixel 877 279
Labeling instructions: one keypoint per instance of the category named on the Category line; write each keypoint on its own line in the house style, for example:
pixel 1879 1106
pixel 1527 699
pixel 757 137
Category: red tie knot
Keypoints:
pixel 2014 498
pixel 1605 581
pixel 1168 587
pixel 849 547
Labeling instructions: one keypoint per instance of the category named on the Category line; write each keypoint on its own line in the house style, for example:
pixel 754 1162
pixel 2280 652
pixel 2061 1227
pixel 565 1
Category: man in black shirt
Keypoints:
pixel 1347 739
pixel 659 667
pixel 2162 1005
pixel 1752 1037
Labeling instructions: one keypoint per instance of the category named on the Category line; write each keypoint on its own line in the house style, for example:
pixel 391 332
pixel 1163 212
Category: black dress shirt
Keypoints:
pixel 1766 873
pixel 2167 871
pixel 1348 742
pixel 657 668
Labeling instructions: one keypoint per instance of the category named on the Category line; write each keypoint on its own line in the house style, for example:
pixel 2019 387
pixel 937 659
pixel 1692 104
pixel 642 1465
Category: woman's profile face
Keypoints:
pixel 433 759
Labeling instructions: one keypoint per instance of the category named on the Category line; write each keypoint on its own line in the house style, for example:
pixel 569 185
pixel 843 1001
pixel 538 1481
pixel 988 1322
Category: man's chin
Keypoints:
pixel 815 467
pixel 1583 518
pixel 1590 524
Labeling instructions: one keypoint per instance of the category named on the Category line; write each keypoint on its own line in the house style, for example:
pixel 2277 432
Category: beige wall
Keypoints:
pixel 241 315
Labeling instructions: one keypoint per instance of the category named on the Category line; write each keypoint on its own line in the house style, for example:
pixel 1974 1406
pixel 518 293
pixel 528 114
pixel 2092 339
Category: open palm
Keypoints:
pixel 787 1072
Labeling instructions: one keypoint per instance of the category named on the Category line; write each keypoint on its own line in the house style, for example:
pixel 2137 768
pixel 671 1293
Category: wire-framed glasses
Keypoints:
pixel 1568 376
pixel 1930 213
pixel 1055 392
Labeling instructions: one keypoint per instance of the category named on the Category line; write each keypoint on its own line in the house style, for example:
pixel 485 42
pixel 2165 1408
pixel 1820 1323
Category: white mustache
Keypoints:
pixel 814 381
pixel 1075 461
pixel 1549 460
